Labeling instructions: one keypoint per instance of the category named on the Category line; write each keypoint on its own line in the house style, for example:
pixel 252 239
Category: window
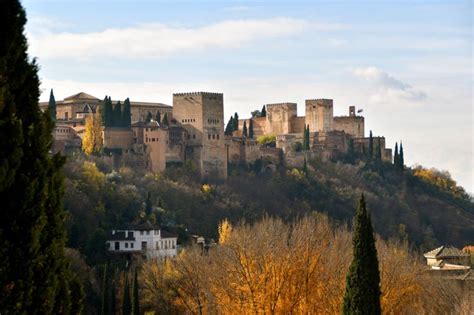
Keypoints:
pixel 141 232
pixel 213 136
pixel 217 137
pixel 147 232
pixel 143 245
pixel 131 245
pixel 209 137
pixel 194 136
pixel 126 245
pixel 117 246
pixel 155 232
pixel 157 245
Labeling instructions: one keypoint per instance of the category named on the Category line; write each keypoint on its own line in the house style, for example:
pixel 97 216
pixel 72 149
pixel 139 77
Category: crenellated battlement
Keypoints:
pixel 198 94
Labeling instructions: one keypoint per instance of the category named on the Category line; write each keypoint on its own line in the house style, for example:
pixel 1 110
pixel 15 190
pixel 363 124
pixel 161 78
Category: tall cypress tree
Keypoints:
pixel 264 111
pixel 158 117
pixel 33 272
pixel 362 294
pixel 395 156
pixel 229 128
pixel 244 129
pixel 371 145
pixel 378 153
pixel 117 115
pixel 148 204
pixel 148 117
pixel 401 159
pixel 126 114
pixel 235 122
pixel 126 302
pixel 306 145
pixel 108 112
pixel 251 128
pixel 105 309
pixel 165 121
pixel 136 297
pixel 52 106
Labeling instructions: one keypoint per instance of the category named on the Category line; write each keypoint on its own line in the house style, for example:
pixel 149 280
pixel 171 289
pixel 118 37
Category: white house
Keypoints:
pixel 146 238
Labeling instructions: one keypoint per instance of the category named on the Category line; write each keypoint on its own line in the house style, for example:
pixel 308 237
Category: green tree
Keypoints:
pixel 52 106
pixel 235 122
pixel 251 129
pixel 229 128
pixel 34 276
pixel 401 159
pixel 305 167
pixel 113 299
pixel 371 145
pixel 244 129
pixel 395 156
pixel 306 145
pixel 117 115
pixel 126 302
pixel 136 297
pixel 264 111
pixel 126 114
pixel 105 309
pixel 362 294
pixel 165 121
pixel 378 153
pixel 148 117
pixel 108 112
pixel 158 117
pixel 148 204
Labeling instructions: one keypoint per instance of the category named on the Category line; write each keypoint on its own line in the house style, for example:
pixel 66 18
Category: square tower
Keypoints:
pixel 279 118
pixel 319 115
pixel 202 115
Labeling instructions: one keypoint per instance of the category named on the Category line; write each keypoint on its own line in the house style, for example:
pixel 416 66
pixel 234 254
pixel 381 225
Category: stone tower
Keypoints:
pixel 202 115
pixel 319 115
pixel 280 117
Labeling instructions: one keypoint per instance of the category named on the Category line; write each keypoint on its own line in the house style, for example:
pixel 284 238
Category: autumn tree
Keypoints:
pixel 93 140
pixel 224 229
pixel 362 295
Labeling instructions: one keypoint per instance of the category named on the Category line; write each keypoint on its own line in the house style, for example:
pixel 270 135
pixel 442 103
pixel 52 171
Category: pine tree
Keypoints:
pixel 34 277
pixel 264 111
pixel 229 128
pixel 126 114
pixel 395 156
pixel 401 159
pixel 158 117
pixel 126 302
pixel 93 140
pixel 148 204
pixel 117 115
pixel 371 145
pixel 362 294
pixel 251 129
pixel 148 117
pixel 304 138
pixel 136 297
pixel 165 121
pixel 105 310
pixel 52 106
pixel 244 129
pixel 108 112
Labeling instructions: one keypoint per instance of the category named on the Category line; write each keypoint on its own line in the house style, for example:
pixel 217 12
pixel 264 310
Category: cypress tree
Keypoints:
pixel 395 156
pixel 158 117
pixel 401 159
pixel 378 155
pixel 126 303
pixel 113 299
pixel 136 298
pixel 165 122
pixel 264 111
pixel 362 293
pixel 244 129
pixel 148 204
pixel 149 117
pixel 108 112
pixel 229 128
pixel 105 310
pixel 52 106
pixel 306 145
pixel 235 122
pixel 126 114
pixel 117 115
pixel 34 277
pixel 305 167
pixel 371 145
pixel 251 129
pixel 304 138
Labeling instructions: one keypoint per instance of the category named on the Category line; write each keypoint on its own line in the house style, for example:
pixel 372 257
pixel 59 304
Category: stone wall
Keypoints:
pixel 351 125
pixel 118 138
pixel 280 117
pixel 319 114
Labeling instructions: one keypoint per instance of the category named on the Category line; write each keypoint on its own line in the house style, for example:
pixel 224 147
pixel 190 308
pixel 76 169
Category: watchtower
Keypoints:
pixel 319 115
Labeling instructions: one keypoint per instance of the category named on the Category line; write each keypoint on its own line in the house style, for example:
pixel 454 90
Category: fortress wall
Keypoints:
pixel 298 124
pixel 319 114
pixel 118 138
pixel 351 125
pixel 279 118
pixel 156 141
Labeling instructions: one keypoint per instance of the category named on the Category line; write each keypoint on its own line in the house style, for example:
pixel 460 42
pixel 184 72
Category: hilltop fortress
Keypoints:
pixel 194 132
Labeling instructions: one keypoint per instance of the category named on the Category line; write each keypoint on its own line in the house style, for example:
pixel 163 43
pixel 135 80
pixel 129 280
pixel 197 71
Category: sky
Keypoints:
pixel 407 64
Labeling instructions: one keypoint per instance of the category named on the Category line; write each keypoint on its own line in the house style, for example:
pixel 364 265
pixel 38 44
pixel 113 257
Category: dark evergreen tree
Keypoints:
pixel 108 112
pixel 148 204
pixel 305 167
pixel 136 297
pixel 113 297
pixel 395 156
pixel 235 122
pixel 126 302
pixel 244 129
pixel 105 309
pixel 158 117
pixel 229 128
pixel 306 145
pixel 117 115
pixel 165 121
pixel 362 294
pixel 378 153
pixel 251 129
pixel 126 114
pixel 52 106
pixel 371 145
pixel 34 277
pixel 401 159
pixel 264 111
pixel 148 117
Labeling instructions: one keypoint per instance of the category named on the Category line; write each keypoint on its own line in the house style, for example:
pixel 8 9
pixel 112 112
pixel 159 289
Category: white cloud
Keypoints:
pixel 156 40
pixel 387 89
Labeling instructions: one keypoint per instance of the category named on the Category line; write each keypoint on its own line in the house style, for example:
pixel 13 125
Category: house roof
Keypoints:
pixel 82 96
pixel 445 252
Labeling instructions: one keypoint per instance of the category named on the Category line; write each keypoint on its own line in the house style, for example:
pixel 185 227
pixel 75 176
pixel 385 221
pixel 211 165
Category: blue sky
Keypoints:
pixel 408 64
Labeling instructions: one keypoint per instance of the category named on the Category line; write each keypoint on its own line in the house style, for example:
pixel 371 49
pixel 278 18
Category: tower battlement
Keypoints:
pixel 198 94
